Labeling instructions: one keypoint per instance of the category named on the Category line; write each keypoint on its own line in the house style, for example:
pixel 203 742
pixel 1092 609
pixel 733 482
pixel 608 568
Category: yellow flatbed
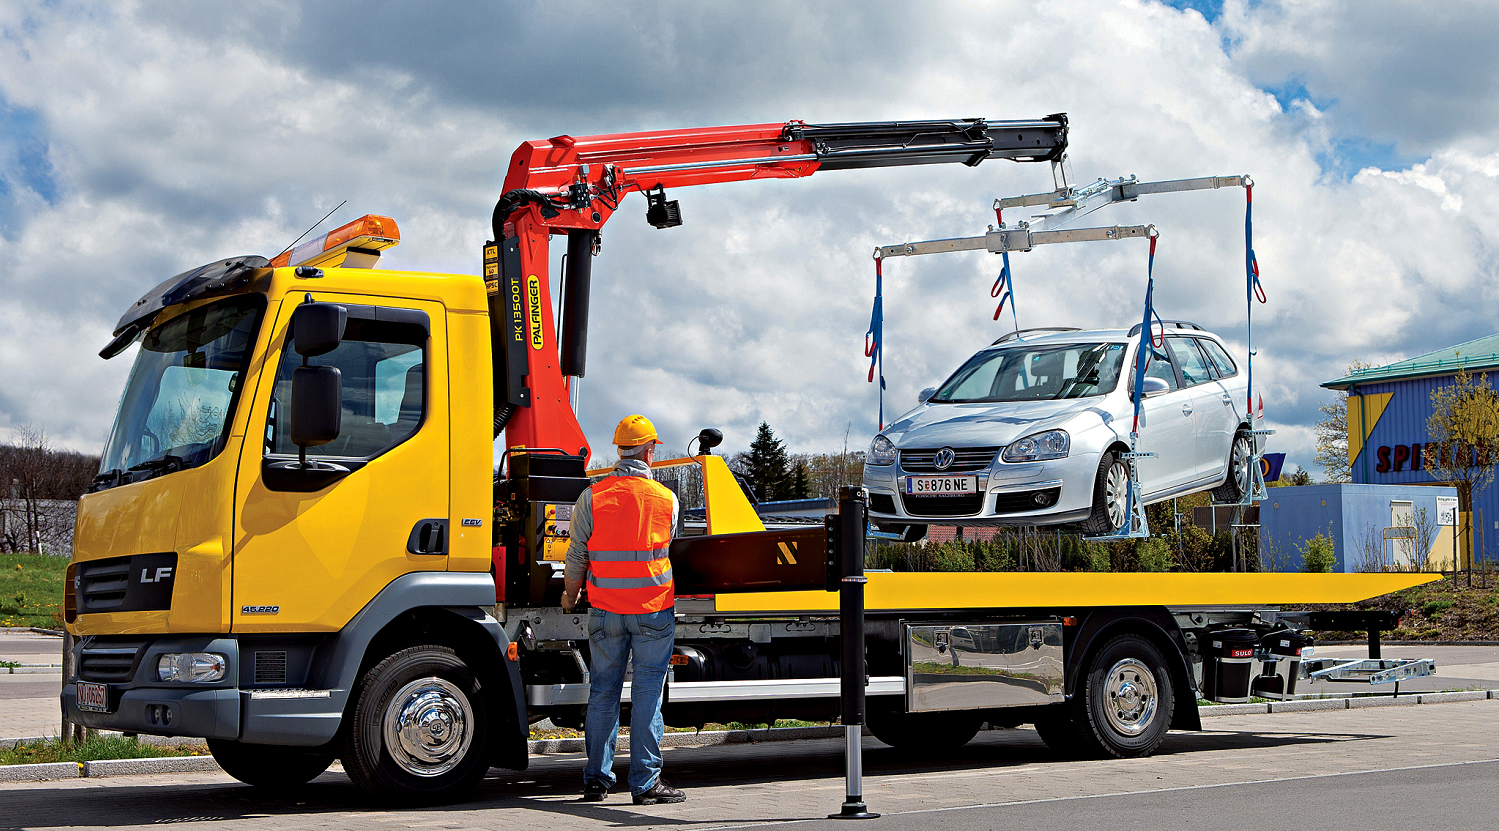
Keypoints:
pixel 946 591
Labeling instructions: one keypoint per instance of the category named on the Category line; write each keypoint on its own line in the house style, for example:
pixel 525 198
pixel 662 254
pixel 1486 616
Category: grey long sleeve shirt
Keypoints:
pixel 581 526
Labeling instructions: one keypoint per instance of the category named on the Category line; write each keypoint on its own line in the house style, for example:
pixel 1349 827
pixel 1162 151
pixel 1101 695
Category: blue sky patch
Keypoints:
pixel 1210 9
pixel 23 160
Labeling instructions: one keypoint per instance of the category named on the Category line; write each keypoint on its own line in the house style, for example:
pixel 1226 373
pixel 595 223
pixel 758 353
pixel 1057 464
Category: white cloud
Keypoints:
pixel 182 134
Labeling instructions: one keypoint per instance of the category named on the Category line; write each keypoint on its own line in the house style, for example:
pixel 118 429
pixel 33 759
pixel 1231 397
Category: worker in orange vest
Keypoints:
pixel 620 534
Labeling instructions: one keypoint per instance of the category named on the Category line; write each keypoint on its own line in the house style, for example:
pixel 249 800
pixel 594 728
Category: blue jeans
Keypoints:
pixel 612 638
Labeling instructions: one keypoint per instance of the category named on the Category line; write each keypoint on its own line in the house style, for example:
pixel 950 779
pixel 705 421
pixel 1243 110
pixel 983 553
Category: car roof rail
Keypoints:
pixel 1175 324
pixel 1016 334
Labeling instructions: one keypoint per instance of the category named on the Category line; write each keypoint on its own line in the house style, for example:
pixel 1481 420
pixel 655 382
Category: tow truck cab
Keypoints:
pixel 218 589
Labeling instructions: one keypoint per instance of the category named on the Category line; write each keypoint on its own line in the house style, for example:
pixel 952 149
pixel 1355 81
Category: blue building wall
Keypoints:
pixel 1397 443
pixel 1348 513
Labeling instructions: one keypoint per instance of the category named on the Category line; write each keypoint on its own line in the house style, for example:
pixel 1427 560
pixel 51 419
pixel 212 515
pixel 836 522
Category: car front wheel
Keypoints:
pixel 1110 513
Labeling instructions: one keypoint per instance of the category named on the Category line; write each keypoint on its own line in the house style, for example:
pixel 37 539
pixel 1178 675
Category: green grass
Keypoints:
pixel 31 587
pixel 8 665
pixel 92 750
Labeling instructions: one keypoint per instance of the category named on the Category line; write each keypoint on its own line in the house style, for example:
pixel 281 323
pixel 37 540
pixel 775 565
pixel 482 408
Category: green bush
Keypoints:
pixel 1318 555
pixel 1153 555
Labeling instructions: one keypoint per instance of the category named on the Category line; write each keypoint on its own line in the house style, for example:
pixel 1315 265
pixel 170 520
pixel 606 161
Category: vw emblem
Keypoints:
pixel 944 458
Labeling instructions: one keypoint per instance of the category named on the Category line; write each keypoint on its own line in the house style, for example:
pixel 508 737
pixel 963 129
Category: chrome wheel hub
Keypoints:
pixel 1130 697
pixel 1116 494
pixel 429 725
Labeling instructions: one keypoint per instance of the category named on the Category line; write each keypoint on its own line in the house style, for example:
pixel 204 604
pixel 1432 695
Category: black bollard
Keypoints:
pixel 850 550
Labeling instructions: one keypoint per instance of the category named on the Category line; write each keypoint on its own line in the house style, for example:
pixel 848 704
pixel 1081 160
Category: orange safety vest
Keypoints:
pixel 628 569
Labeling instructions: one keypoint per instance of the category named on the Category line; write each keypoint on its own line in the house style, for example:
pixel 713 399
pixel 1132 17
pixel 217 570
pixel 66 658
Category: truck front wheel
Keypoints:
pixel 419 732
pixel 268 766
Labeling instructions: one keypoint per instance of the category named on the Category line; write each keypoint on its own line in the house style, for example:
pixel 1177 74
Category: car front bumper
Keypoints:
pixel 1006 492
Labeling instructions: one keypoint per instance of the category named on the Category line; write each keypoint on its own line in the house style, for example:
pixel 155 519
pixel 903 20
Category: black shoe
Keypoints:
pixel 660 792
pixel 594 791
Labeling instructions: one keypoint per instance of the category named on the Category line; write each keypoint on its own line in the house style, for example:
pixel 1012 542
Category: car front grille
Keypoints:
pixel 109 660
pixel 943 506
pixel 965 460
pixel 882 503
pixel 1015 502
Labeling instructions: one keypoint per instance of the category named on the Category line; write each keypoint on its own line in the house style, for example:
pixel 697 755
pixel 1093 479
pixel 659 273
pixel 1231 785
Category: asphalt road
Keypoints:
pixel 1378 768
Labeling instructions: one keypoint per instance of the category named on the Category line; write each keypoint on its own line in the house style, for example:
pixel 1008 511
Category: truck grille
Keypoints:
pixel 965 460
pixel 102 585
pixel 109 660
pixel 940 506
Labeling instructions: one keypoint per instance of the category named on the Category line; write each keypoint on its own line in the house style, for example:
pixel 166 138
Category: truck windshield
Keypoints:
pixel 1035 373
pixel 176 408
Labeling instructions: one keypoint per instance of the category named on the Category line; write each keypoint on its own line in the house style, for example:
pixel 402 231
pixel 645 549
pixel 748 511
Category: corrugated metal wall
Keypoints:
pixel 1403 423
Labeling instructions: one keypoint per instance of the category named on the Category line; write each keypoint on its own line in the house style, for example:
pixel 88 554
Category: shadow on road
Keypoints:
pixel 553 783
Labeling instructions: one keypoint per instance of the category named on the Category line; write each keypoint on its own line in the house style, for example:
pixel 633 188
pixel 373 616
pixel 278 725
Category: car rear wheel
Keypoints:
pixel 1240 467
pixel 1110 497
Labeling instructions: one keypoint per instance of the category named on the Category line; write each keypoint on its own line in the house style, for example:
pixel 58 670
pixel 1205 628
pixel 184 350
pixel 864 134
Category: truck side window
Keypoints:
pixel 384 389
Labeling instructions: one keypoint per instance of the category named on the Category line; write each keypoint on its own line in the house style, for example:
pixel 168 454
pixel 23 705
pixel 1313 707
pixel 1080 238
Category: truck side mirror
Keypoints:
pixel 925 395
pixel 318 328
pixel 317 394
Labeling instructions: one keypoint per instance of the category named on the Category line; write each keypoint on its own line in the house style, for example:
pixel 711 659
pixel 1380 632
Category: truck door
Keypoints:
pixel 307 554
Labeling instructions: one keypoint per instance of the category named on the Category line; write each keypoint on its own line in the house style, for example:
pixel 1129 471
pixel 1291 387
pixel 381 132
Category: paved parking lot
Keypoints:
pixel 1365 768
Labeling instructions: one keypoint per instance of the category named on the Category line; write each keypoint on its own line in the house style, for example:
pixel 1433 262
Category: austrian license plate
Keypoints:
pixel 942 485
pixel 93 697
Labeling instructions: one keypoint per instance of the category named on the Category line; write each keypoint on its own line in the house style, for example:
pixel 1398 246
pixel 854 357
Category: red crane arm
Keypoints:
pixel 573 185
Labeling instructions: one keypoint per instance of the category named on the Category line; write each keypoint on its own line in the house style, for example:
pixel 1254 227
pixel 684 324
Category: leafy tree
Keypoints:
pixel 1464 433
pixel 1319 555
pixel 766 465
pixel 1289 480
pixel 1332 434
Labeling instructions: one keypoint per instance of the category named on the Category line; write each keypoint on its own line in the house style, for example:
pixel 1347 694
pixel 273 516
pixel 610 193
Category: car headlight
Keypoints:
pixel 192 667
pixel 881 451
pixel 1053 444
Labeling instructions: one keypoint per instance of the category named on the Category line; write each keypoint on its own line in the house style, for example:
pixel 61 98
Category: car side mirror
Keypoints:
pixel 318 328
pixel 317 394
pixel 1151 386
pixel 925 395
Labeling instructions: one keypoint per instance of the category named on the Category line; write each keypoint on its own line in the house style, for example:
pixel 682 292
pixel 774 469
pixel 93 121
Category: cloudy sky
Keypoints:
pixel 138 140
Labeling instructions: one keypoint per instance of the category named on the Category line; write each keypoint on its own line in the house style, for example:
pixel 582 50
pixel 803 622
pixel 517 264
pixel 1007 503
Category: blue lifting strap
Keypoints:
pixel 874 339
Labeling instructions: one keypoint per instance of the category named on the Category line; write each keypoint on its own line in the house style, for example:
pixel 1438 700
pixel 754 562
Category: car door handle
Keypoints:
pixel 1228 399
pixel 1186 409
pixel 430 536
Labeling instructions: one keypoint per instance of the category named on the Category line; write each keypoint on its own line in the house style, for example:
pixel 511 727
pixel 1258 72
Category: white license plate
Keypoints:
pixel 93 697
pixel 942 485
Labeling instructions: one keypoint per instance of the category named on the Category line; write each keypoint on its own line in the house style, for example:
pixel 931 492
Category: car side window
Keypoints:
pixel 1159 366
pixel 384 370
pixel 1193 363
pixel 1225 364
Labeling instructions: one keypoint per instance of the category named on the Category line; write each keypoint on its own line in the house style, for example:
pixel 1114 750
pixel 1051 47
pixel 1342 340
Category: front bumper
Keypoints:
pixel 1067 484
pixel 138 703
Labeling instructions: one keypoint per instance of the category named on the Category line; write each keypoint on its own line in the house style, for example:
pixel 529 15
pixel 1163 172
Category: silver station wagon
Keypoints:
pixel 1030 430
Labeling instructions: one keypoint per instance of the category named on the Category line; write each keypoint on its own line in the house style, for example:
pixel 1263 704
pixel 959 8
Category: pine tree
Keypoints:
pixel 766 465
pixel 801 482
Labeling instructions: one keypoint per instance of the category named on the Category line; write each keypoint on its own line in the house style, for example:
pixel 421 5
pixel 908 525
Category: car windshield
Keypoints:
pixel 176 407
pixel 1020 372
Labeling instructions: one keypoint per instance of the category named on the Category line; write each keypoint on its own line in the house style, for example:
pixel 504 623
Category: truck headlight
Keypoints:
pixel 192 667
pixel 881 451
pixel 1053 444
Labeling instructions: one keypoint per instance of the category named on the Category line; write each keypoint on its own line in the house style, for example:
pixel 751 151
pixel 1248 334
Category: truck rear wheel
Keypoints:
pixel 269 766
pixel 420 729
pixel 1124 708
pixel 923 732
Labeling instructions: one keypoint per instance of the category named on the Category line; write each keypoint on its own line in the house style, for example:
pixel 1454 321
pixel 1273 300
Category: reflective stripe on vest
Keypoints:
pixel 628 569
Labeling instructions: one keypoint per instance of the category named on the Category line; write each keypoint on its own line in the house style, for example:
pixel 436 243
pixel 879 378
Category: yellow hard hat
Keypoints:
pixel 634 431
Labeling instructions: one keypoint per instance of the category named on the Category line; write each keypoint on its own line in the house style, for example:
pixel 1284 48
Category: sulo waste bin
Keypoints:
pixel 1227 663
pixel 1282 655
